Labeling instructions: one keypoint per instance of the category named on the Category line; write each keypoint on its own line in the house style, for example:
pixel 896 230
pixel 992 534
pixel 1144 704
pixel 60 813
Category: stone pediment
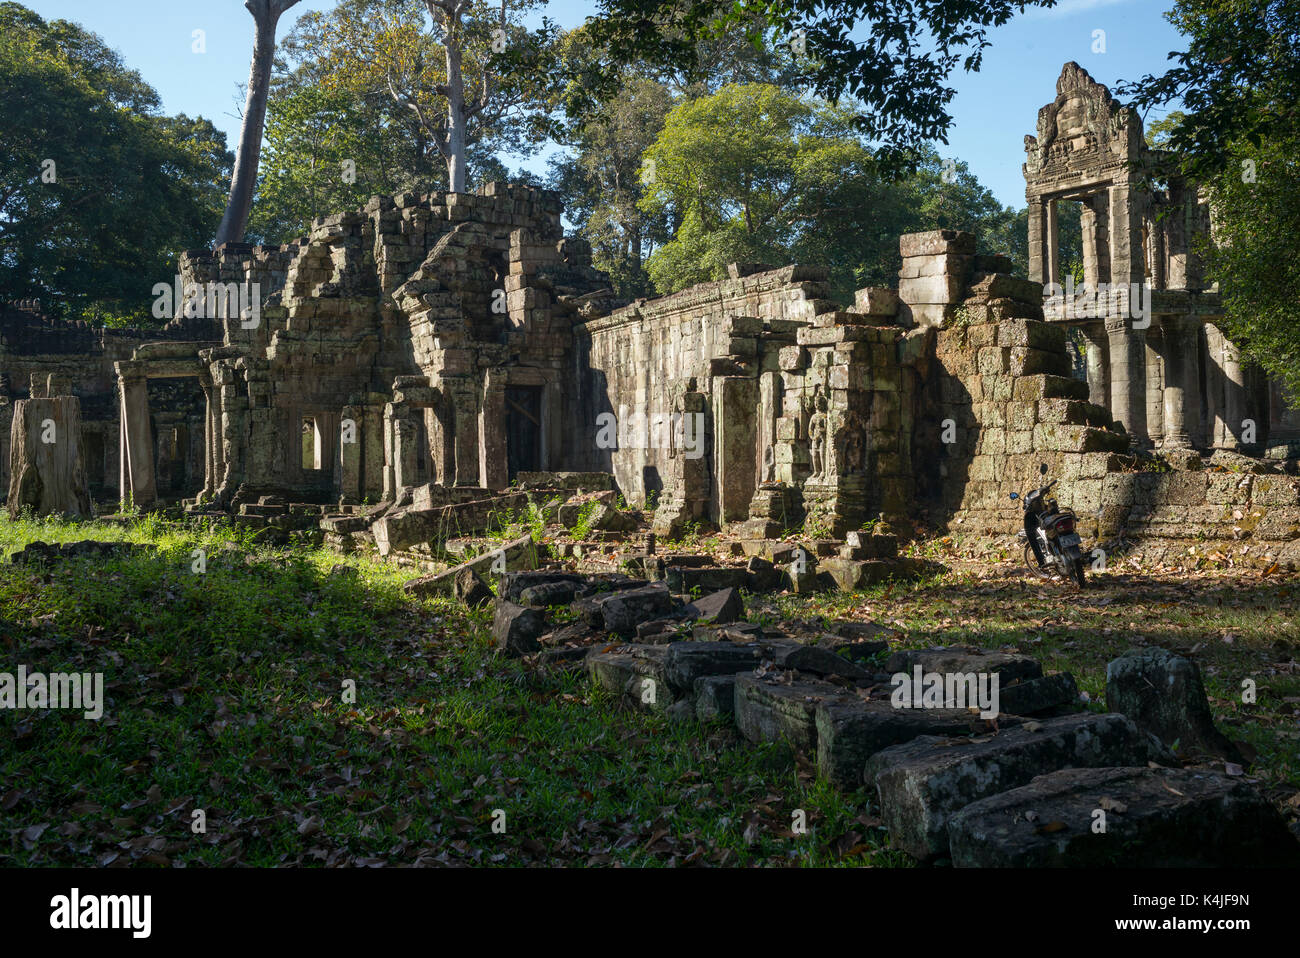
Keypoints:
pixel 1083 128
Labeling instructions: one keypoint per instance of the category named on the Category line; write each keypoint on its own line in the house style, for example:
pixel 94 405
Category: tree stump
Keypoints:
pixel 45 467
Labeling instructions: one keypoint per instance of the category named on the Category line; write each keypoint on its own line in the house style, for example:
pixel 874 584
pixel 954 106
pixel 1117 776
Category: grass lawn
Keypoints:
pixel 225 693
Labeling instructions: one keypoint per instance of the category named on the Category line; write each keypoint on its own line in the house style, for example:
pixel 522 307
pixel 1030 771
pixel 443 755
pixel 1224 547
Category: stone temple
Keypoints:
pixel 416 365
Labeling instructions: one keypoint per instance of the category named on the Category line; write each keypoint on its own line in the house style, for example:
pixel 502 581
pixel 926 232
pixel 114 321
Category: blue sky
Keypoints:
pixel 993 109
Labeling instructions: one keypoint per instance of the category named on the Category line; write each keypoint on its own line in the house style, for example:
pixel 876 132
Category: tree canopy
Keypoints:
pixel 891 59
pixel 1238 134
pixel 99 192
pixel 754 173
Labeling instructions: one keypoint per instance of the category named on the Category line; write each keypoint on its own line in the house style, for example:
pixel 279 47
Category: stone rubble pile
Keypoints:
pixel 1041 783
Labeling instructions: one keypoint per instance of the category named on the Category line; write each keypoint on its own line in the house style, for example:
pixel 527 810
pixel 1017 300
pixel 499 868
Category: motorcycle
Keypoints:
pixel 1054 528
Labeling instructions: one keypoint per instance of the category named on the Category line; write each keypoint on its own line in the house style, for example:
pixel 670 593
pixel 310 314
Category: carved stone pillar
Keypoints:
pixel 1155 385
pixel 138 485
pixel 1182 394
pixel 1097 363
pixel 1128 394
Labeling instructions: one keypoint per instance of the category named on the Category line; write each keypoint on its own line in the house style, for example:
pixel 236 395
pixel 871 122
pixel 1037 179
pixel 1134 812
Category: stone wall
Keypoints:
pixel 79 360
pixel 709 351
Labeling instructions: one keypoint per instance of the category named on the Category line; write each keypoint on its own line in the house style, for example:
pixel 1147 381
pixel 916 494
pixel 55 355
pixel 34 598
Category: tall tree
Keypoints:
pixel 892 58
pixel 266 15
pixel 99 192
pixel 756 173
pixel 466 73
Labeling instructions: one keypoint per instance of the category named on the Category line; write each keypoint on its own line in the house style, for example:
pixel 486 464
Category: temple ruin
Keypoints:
pixel 1166 371
pixel 411 367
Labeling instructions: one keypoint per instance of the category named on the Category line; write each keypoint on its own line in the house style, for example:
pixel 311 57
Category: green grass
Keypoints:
pixel 225 694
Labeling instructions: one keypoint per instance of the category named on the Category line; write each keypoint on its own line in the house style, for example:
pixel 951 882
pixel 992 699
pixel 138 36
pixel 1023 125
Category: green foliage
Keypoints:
pixel 755 173
pixel 891 57
pixel 1238 81
pixel 817 525
pixel 365 83
pixel 586 516
pixel 130 188
pixel 1254 257
pixel 1239 135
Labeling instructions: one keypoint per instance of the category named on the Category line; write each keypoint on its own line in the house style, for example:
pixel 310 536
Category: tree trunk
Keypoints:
pixel 455 106
pixel 266 14
pixel 45 467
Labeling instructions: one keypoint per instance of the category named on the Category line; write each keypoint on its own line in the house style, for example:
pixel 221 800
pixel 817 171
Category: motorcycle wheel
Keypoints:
pixel 1031 563
pixel 1075 560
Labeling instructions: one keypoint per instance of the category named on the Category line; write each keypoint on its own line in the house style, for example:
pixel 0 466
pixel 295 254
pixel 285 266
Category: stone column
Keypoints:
pixel 1182 394
pixel 1234 393
pixel 137 470
pixel 1052 254
pixel 1128 395
pixel 465 410
pixel 1037 240
pixel 493 466
pixel 1097 362
pixel 1155 385
pixel 211 440
pixel 1128 391
pixel 349 461
pixel 1088 228
pixel 405 453
pixel 735 430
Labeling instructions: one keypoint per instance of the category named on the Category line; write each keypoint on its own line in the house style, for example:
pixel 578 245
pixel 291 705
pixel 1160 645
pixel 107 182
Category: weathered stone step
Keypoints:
pixel 1154 817
pixel 959 660
pixel 777 708
pixel 852 730
pixel 923 782
pixel 688 661
pixel 635 674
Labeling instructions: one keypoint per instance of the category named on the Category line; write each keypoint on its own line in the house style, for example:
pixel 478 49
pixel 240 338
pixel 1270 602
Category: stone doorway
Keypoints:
pixel 523 429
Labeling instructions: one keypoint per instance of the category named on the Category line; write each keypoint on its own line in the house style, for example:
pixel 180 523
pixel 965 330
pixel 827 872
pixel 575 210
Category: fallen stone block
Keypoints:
pixel 1035 696
pixel 1154 817
pixel 516 628
pixel 634 674
pixel 856 650
pixel 470 589
pixel 513 584
pixel 820 662
pixel 621 612
pixel 715 698
pixel 774 708
pixel 854 575
pixel 1163 693
pixel 688 661
pixel 851 730
pixel 764 576
pixel 521 551
pixel 923 782
pixel 960 660
pixel 721 607
pixel 684 581
pixel 732 632
pixel 549 593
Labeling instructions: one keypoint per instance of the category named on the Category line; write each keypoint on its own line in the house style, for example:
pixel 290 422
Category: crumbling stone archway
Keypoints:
pixel 138 477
